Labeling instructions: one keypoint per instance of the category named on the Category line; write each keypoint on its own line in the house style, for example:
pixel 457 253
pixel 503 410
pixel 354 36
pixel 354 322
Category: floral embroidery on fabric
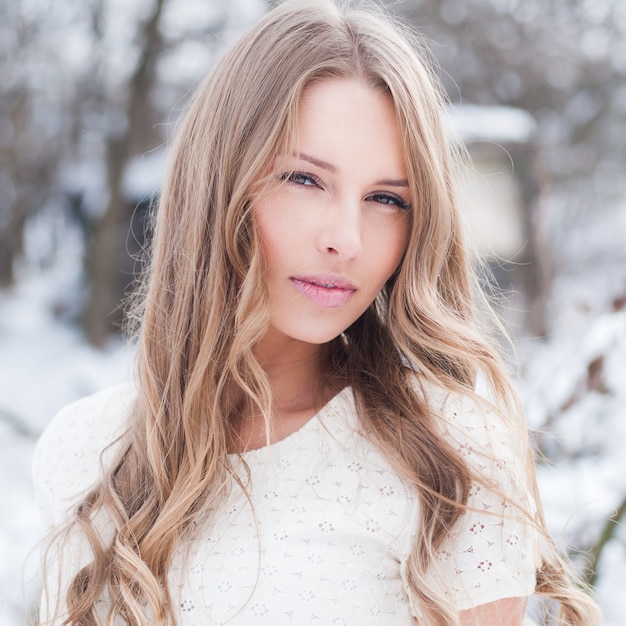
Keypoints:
pixel 329 527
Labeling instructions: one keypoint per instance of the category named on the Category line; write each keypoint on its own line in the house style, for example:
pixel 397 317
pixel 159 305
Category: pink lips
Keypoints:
pixel 325 290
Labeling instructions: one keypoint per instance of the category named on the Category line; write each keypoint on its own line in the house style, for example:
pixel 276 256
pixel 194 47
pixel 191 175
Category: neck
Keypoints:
pixel 294 371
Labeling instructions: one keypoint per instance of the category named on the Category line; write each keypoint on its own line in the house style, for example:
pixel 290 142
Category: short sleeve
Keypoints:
pixel 69 453
pixel 492 552
pixel 66 465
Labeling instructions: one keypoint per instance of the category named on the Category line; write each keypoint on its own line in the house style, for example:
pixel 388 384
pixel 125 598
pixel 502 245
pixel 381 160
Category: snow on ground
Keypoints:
pixel 44 364
pixel 575 396
pixel 574 390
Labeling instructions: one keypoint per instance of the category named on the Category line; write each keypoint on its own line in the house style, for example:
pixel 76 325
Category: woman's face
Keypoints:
pixel 336 228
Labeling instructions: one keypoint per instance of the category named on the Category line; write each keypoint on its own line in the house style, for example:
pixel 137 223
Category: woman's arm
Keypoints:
pixel 506 612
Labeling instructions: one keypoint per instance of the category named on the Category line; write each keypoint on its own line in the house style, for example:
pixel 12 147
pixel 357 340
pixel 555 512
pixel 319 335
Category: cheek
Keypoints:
pixel 266 227
pixel 403 236
pixel 284 232
pixel 390 244
pixel 402 239
pixel 276 239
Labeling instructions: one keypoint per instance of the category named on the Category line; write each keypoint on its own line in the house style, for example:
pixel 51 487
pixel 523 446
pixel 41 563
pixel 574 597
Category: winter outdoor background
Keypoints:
pixel 90 92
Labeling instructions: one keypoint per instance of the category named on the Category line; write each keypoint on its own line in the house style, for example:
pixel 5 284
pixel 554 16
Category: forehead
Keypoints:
pixel 346 121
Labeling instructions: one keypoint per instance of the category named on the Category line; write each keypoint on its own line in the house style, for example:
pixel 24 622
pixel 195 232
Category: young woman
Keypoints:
pixel 304 443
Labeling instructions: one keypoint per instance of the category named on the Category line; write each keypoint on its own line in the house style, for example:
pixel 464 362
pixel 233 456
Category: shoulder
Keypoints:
pixel 493 550
pixel 492 439
pixel 70 451
pixel 475 421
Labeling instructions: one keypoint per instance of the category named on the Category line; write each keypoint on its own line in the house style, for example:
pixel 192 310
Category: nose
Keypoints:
pixel 340 232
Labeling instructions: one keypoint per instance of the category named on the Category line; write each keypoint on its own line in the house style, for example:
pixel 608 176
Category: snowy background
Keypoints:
pixel 559 69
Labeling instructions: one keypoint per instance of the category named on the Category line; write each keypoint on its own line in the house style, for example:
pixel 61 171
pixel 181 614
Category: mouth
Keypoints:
pixel 325 291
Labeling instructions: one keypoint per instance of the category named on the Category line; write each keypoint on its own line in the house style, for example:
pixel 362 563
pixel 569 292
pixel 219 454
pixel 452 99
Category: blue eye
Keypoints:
pixel 299 178
pixel 390 200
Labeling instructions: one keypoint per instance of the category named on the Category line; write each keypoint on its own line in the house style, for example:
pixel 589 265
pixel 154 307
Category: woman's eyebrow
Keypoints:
pixel 392 182
pixel 325 165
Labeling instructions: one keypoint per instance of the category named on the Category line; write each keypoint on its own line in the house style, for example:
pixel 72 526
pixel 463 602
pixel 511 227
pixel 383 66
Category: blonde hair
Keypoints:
pixel 205 306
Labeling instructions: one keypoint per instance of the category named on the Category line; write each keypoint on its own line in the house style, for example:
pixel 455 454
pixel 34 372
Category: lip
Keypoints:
pixel 325 290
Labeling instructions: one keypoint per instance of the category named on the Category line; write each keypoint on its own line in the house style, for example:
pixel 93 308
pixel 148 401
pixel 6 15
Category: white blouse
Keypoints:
pixel 325 535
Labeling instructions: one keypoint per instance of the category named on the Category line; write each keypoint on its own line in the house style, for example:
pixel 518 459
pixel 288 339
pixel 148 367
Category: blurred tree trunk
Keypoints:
pixel 15 207
pixel 108 246
pixel 11 235
pixel 29 166
pixel 28 156
pixel 536 262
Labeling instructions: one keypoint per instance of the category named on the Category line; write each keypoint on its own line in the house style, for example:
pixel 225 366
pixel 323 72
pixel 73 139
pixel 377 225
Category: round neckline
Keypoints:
pixel 313 421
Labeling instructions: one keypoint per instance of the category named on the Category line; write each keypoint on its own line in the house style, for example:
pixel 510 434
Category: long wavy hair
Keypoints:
pixel 205 305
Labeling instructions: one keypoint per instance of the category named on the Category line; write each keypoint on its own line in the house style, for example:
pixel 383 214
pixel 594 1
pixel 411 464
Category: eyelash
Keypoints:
pixel 299 178
pixel 384 198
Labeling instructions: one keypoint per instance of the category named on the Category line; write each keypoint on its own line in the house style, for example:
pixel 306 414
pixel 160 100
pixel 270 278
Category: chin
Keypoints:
pixel 318 339
pixel 313 335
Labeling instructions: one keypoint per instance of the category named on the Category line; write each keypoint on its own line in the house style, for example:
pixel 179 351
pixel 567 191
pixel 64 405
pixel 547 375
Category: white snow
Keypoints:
pixel 574 391
pixel 44 364
pixel 496 123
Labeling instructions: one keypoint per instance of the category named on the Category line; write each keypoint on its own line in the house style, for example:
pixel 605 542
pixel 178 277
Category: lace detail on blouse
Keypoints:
pixel 328 526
